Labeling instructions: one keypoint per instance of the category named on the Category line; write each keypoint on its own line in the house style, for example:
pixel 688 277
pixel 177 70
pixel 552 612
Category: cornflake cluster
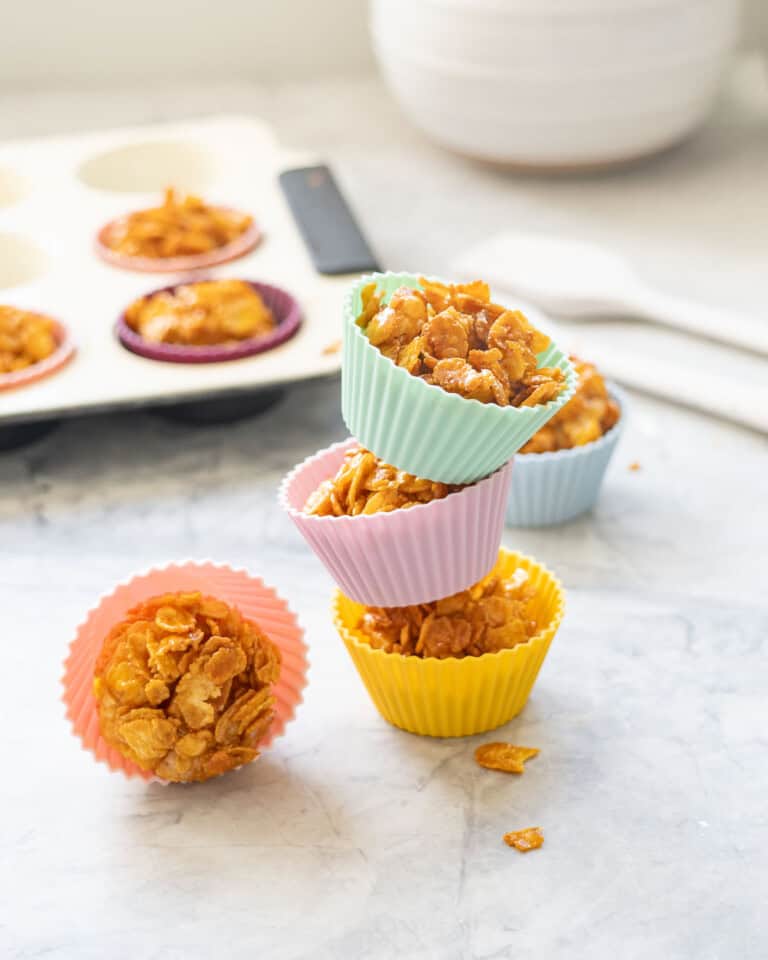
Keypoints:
pixel 212 312
pixel 586 417
pixel 454 337
pixel 180 226
pixel 495 614
pixel 365 484
pixel 531 838
pixel 184 687
pixel 25 338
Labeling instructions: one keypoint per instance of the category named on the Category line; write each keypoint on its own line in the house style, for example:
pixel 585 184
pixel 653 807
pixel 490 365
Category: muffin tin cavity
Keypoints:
pixel 150 167
pixel 21 261
pixel 12 187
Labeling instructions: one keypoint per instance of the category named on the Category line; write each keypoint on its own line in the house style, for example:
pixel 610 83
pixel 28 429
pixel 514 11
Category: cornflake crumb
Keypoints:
pixel 504 757
pixel 634 466
pixel 332 348
pixel 524 840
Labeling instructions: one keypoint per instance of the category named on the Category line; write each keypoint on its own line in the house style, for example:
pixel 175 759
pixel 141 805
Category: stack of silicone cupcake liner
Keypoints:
pixel 255 601
pixel 428 551
pixel 421 428
pixel 552 488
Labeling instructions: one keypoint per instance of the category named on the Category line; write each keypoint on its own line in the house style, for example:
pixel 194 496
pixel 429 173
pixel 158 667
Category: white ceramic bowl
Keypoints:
pixel 554 83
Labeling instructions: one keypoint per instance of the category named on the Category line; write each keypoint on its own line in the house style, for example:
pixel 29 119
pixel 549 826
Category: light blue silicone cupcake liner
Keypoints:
pixel 419 427
pixel 551 488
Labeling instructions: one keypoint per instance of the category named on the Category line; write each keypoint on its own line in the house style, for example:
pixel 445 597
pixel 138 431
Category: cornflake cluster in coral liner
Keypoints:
pixel 179 227
pixel 184 687
pixel 365 484
pixel 586 417
pixel 492 615
pixel 208 313
pixel 26 338
pixel 452 336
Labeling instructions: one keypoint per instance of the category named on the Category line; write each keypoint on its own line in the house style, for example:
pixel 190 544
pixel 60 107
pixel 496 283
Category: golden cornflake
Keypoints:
pixel 454 337
pixel 365 484
pixel 586 417
pixel 26 338
pixel 495 614
pixel 180 226
pixel 184 687
pixel 524 840
pixel 504 756
pixel 201 314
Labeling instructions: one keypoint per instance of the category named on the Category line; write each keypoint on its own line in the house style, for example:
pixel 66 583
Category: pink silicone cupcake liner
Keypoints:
pixel 249 594
pixel 241 245
pixel 284 307
pixel 60 357
pixel 407 556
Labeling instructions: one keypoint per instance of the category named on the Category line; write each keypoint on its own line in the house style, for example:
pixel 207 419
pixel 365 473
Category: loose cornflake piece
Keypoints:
pixel 524 840
pixel 504 756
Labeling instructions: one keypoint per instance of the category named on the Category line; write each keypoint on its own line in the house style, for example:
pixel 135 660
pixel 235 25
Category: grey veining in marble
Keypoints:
pixel 350 839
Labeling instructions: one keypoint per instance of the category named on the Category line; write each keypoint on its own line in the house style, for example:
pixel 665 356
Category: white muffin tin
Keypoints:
pixel 54 196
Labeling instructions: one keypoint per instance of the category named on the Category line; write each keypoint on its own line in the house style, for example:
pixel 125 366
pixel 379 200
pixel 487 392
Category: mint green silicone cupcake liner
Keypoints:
pixel 552 488
pixel 419 427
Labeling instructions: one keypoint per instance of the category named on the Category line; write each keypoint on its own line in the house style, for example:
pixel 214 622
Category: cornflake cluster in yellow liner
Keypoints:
pixel 586 417
pixel 453 336
pixel 492 615
pixel 179 227
pixel 365 484
pixel 211 312
pixel 184 687
pixel 26 338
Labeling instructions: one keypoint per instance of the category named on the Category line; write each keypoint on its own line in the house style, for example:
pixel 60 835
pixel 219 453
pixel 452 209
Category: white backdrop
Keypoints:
pixel 78 42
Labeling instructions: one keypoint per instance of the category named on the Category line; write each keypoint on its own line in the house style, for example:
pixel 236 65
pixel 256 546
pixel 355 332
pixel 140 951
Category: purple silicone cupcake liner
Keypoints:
pixel 284 307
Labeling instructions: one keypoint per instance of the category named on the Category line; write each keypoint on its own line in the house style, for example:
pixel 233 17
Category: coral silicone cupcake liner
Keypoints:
pixel 241 245
pixel 61 356
pixel 553 488
pixel 452 697
pixel 249 594
pixel 419 427
pixel 406 556
pixel 284 307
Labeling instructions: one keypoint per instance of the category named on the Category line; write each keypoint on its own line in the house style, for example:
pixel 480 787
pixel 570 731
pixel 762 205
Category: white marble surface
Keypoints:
pixel 350 839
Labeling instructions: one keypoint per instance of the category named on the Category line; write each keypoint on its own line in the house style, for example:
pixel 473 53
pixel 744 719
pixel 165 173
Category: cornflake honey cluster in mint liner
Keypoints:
pixel 440 388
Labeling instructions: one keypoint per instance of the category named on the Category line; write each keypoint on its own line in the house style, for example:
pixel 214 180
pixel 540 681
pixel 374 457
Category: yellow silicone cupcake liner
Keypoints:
pixel 452 697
